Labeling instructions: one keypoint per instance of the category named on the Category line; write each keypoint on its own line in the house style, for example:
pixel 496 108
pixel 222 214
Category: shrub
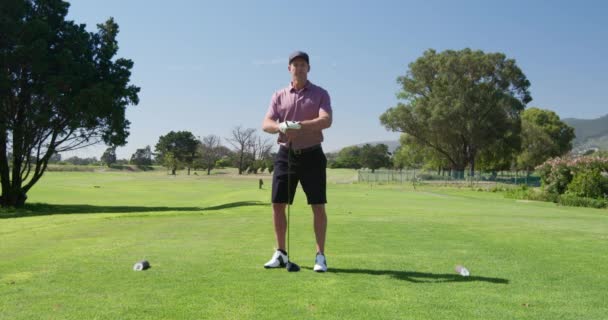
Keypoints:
pixel 556 174
pixel 525 193
pixel 589 184
pixel 574 201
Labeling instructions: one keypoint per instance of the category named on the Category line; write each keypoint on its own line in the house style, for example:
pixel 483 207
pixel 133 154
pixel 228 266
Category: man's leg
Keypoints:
pixel 280 224
pixel 314 182
pixel 280 198
pixel 320 222
pixel 320 225
pixel 279 258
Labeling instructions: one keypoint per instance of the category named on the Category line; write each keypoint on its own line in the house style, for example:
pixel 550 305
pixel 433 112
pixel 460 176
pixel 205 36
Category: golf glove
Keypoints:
pixel 289 125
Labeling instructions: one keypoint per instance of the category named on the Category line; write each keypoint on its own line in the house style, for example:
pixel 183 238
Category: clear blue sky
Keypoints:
pixel 207 66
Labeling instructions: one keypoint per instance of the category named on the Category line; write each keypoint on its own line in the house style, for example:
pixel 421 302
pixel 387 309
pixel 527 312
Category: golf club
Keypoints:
pixel 461 270
pixel 290 266
pixel 141 265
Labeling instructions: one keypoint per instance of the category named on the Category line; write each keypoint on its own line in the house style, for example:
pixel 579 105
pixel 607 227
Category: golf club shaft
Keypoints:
pixel 288 191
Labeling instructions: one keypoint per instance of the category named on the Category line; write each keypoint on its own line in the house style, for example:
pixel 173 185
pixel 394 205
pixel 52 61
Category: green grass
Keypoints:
pixel 391 252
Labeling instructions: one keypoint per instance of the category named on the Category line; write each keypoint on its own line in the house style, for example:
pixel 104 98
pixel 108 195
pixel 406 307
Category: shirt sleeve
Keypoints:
pixel 273 112
pixel 326 102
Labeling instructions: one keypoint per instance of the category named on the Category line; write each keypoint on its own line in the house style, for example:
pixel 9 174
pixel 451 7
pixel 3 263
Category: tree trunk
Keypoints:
pixel 188 170
pixel 241 162
pixel 173 171
pixel 208 171
pixel 472 168
pixel 458 171
pixel 13 198
pixel 4 167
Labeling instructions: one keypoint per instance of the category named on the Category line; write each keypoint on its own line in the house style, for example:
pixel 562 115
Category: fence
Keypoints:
pixel 415 175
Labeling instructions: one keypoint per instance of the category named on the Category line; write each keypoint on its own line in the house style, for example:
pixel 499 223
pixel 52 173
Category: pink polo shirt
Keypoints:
pixel 299 105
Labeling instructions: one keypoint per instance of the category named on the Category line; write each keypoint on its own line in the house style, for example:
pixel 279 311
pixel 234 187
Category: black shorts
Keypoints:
pixel 308 167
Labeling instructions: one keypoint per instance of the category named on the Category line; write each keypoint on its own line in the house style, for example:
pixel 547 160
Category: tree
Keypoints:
pixel 348 157
pixel 61 88
pixel 81 161
pixel 170 161
pixel 549 122
pixel 544 136
pixel 260 152
pixel 408 154
pixel 224 161
pixel 500 155
pixel 55 158
pixel 109 156
pixel 374 157
pixel 241 140
pixel 459 103
pixel 209 151
pixel 261 148
pixel 182 146
pixel 142 157
pixel 537 146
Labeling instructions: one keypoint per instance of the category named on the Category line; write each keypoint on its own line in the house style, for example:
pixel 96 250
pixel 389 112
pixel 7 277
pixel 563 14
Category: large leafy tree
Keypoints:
pixel 460 103
pixel 537 147
pixel 502 154
pixel 61 88
pixel 348 157
pixel 560 133
pixel 412 155
pixel 374 156
pixel 544 136
pixel 177 149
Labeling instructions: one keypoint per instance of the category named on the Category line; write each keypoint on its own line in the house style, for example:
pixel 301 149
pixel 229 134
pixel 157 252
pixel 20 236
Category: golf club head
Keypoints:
pixel 461 270
pixel 292 267
pixel 141 266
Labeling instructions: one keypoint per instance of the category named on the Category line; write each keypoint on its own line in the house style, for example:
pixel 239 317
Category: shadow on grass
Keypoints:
pixel 44 209
pixel 418 277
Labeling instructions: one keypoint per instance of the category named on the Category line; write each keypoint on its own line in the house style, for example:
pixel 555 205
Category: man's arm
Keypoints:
pixel 318 124
pixel 269 125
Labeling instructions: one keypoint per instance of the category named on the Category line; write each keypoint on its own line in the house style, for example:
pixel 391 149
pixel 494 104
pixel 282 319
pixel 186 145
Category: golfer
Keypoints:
pixel 298 113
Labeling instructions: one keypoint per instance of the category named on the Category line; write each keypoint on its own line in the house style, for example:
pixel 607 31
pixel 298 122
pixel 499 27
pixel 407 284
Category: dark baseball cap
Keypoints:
pixel 299 54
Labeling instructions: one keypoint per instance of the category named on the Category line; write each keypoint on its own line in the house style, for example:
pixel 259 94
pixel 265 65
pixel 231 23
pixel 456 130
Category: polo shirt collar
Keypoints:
pixel 306 87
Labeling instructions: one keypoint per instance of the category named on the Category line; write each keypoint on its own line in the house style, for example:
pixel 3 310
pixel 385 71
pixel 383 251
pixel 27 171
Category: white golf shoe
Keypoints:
pixel 278 260
pixel 320 263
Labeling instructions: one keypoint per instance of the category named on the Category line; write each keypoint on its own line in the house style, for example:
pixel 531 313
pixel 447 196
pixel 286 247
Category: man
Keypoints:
pixel 298 114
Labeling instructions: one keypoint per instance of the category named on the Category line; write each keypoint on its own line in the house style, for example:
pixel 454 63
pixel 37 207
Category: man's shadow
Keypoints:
pixel 43 209
pixel 418 277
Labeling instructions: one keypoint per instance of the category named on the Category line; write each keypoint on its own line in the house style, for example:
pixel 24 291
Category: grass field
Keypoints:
pixel 391 252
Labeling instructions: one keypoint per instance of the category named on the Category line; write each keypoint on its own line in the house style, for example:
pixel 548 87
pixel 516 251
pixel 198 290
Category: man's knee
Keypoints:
pixel 279 207
pixel 318 209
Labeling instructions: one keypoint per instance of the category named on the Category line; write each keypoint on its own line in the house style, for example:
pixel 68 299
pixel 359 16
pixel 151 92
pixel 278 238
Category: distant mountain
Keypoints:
pixel 590 133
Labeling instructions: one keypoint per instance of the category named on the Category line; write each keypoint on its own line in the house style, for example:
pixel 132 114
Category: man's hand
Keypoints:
pixel 289 125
